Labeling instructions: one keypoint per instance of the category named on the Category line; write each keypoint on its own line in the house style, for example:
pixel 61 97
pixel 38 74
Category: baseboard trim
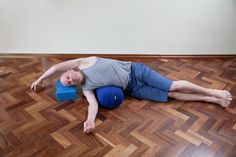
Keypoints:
pixel 27 55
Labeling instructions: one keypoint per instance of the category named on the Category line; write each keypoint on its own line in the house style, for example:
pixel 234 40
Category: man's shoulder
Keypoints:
pixel 87 62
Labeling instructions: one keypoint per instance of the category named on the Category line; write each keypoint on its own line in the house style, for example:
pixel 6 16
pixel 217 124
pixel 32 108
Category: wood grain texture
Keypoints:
pixel 34 124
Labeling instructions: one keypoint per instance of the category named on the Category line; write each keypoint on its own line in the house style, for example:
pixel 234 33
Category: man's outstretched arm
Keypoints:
pixel 48 73
pixel 59 67
pixel 89 124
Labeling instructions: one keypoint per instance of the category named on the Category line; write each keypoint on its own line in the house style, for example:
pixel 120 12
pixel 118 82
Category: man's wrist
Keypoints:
pixel 40 79
pixel 90 120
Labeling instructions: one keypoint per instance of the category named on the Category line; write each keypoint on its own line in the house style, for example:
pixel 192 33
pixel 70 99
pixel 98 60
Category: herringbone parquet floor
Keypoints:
pixel 33 124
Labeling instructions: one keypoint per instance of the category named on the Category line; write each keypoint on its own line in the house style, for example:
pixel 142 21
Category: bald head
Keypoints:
pixel 71 77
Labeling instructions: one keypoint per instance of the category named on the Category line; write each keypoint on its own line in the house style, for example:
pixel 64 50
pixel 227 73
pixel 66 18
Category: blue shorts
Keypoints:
pixel 145 83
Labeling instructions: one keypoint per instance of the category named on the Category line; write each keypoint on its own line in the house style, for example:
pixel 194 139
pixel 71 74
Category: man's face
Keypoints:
pixel 70 78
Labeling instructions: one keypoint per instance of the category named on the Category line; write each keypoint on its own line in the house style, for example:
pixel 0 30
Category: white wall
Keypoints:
pixel 118 26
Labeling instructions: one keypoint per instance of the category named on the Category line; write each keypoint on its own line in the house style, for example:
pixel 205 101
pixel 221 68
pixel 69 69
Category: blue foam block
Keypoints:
pixel 64 93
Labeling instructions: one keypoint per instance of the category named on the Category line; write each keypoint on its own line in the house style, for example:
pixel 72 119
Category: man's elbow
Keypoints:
pixel 55 68
pixel 93 103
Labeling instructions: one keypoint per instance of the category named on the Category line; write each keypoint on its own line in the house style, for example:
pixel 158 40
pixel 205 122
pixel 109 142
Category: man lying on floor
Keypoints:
pixel 135 78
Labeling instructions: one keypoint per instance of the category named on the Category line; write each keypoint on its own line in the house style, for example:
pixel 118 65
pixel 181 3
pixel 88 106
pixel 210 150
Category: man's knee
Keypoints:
pixel 172 94
pixel 178 85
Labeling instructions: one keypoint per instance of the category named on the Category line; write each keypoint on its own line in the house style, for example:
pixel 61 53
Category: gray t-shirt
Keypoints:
pixel 107 72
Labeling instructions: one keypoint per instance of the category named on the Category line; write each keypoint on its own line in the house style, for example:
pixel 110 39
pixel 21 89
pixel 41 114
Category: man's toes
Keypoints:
pixel 227 93
pixel 227 103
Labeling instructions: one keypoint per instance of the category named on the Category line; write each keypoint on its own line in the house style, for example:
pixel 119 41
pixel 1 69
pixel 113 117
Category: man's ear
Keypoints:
pixel 76 69
pixel 70 70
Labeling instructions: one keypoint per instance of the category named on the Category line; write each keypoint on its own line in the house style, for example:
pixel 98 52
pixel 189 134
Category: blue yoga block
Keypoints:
pixel 64 93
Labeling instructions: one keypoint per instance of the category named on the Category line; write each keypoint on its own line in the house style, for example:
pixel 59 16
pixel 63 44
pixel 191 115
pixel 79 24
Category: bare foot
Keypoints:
pixel 221 101
pixel 221 94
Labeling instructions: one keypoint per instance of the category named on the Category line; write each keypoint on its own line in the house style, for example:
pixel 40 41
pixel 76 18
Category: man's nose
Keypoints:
pixel 70 79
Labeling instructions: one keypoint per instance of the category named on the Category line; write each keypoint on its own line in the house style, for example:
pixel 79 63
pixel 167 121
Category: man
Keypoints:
pixel 136 79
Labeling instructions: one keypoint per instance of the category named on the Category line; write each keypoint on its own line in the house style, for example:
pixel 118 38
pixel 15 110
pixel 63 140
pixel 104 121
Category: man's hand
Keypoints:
pixel 89 126
pixel 35 83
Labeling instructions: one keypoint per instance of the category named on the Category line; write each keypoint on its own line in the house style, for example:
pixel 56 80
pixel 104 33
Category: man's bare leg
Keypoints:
pixel 189 87
pixel 197 97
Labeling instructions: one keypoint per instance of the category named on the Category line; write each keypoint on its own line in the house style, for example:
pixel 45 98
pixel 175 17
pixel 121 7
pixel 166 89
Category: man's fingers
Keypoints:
pixel 91 130
pixel 85 127
pixel 88 130
pixel 34 87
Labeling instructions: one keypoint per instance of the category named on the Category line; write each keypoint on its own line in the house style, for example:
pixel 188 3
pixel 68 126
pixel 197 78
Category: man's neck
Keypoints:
pixel 81 73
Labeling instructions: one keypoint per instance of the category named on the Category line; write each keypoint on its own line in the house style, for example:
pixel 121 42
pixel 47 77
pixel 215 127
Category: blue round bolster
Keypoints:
pixel 109 97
